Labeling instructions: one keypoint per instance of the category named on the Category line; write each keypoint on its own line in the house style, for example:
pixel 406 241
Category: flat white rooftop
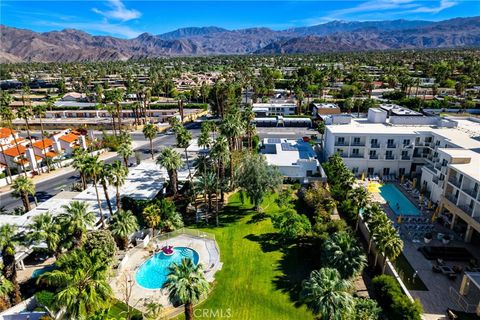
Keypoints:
pixel 284 152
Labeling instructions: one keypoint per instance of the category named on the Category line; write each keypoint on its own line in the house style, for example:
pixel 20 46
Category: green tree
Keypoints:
pixel 6 288
pixel 7 115
pixel 102 241
pixel 171 161
pixel 79 162
pixel 8 242
pixel 94 170
pixel 104 177
pixel 81 282
pixel 366 309
pixel 122 225
pixel 117 179
pixel 170 218
pixel 183 141
pixel 255 177
pixel 389 243
pixel 150 132
pixel 152 216
pixel 291 225
pixel 45 227
pixel 23 187
pixel 341 252
pixel 186 284
pixel 125 151
pixel 328 296
pixel 40 111
pixel 75 221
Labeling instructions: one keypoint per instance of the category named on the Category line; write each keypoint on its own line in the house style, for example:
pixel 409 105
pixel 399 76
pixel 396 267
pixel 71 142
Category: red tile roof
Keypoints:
pixel 69 137
pixel 5 132
pixel 13 152
pixel 39 144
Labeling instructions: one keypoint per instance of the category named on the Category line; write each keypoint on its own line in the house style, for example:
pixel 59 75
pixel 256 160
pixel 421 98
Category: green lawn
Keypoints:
pixel 118 311
pixel 261 276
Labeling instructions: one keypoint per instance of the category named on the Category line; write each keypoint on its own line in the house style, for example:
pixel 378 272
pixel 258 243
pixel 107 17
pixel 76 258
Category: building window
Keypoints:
pixel 374 141
pixel 341 140
pixel 355 151
pixel 355 170
pixel 444 162
pixel 356 140
pixel 386 171
pixel 340 151
pixel 373 152
pixel 390 141
pixel 406 142
pixel 401 171
pixel 369 171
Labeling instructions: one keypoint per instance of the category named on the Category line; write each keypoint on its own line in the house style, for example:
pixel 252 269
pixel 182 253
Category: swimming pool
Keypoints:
pixel 153 273
pixel 397 201
pixel 38 272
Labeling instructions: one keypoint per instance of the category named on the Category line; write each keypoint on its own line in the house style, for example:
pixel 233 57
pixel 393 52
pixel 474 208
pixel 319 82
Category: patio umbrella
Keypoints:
pixel 414 183
pixel 430 204
pixel 402 178
pixel 363 176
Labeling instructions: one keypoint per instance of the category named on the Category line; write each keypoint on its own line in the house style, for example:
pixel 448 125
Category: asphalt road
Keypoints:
pixel 48 189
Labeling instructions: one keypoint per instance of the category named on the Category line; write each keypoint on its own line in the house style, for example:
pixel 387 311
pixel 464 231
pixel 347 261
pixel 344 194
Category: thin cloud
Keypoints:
pixel 444 4
pixel 119 11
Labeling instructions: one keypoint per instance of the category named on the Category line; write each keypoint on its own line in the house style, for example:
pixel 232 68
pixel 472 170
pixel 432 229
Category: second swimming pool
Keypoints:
pixel 397 201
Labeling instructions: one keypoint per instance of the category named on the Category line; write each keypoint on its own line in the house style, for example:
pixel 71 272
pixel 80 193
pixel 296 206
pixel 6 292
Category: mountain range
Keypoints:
pixel 18 45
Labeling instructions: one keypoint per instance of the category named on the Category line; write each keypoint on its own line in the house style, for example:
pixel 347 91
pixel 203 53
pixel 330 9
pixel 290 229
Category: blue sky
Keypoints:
pixel 127 19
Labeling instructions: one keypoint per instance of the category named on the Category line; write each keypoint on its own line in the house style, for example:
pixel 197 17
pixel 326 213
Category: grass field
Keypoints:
pixel 261 277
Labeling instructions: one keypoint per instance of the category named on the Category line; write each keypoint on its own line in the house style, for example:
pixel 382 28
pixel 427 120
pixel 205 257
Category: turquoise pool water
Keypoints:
pixel 37 273
pixel 397 201
pixel 153 273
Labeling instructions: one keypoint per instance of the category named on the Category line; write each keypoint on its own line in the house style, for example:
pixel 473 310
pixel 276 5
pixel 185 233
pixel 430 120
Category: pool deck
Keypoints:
pixel 125 284
pixel 442 292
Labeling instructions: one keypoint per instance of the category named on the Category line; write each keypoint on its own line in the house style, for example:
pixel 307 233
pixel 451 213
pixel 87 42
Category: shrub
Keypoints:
pixel 102 241
pixel 366 309
pixel 395 304
pixel 45 298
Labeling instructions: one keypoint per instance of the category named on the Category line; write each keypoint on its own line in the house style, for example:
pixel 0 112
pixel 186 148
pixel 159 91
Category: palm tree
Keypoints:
pixel 25 112
pixel 171 219
pixel 123 224
pixel 207 183
pixel 186 284
pixel 81 280
pixel 6 288
pixel 104 177
pixel 204 139
pixel 172 161
pixel 40 111
pixel 45 228
pixel 220 154
pixel 79 163
pixel 112 111
pixel 360 198
pixel 94 170
pixel 7 246
pixel 76 220
pixel 8 116
pixel 23 187
pixel 152 216
pixel 232 129
pixel 341 252
pixel 125 151
pixel 117 178
pixel 327 295
pixel 389 244
pixel 183 141
pixel 150 131
pixel 376 220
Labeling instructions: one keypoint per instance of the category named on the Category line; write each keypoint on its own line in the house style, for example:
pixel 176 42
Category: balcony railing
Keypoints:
pixel 466 209
pixel 455 182
pixel 374 156
pixel 375 145
pixel 391 145
pixel 358 144
pixel 356 156
pixel 451 198
pixel 431 168
pixel 341 143
pixel 405 157
pixel 471 192
pixel 387 157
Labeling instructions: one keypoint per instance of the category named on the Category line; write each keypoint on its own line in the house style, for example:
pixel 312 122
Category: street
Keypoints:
pixel 53 186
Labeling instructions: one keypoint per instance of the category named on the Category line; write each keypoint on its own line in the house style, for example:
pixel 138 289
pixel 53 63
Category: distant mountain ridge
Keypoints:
pixel 75 45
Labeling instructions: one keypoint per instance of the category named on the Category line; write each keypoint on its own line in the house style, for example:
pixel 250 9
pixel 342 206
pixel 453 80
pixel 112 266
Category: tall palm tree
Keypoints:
pixel 40 111
pixel 232 129
pixel 220 154
pixel 104 177
pixel 25 112
pixel 8 116
pixel 389 243
pixel 94 170
pixel 6 288
pixel 360 198
pixel 123 224
pixel 186 284
pixel 152 216
pixel 183 141
pixel 327 295
pixel 81 282
pixel 76 220
pixel 204 139
pixel 7 246
pixel 341 252
pixel 125 151
pixel 45 228
pixel 117 179
pixel 23 187
pixel 150 131
pixel 112 111
pixel 79 162
pixel 207 184
pixel 171 161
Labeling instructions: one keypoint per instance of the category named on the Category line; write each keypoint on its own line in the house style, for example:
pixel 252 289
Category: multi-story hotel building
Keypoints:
pixel 442 154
